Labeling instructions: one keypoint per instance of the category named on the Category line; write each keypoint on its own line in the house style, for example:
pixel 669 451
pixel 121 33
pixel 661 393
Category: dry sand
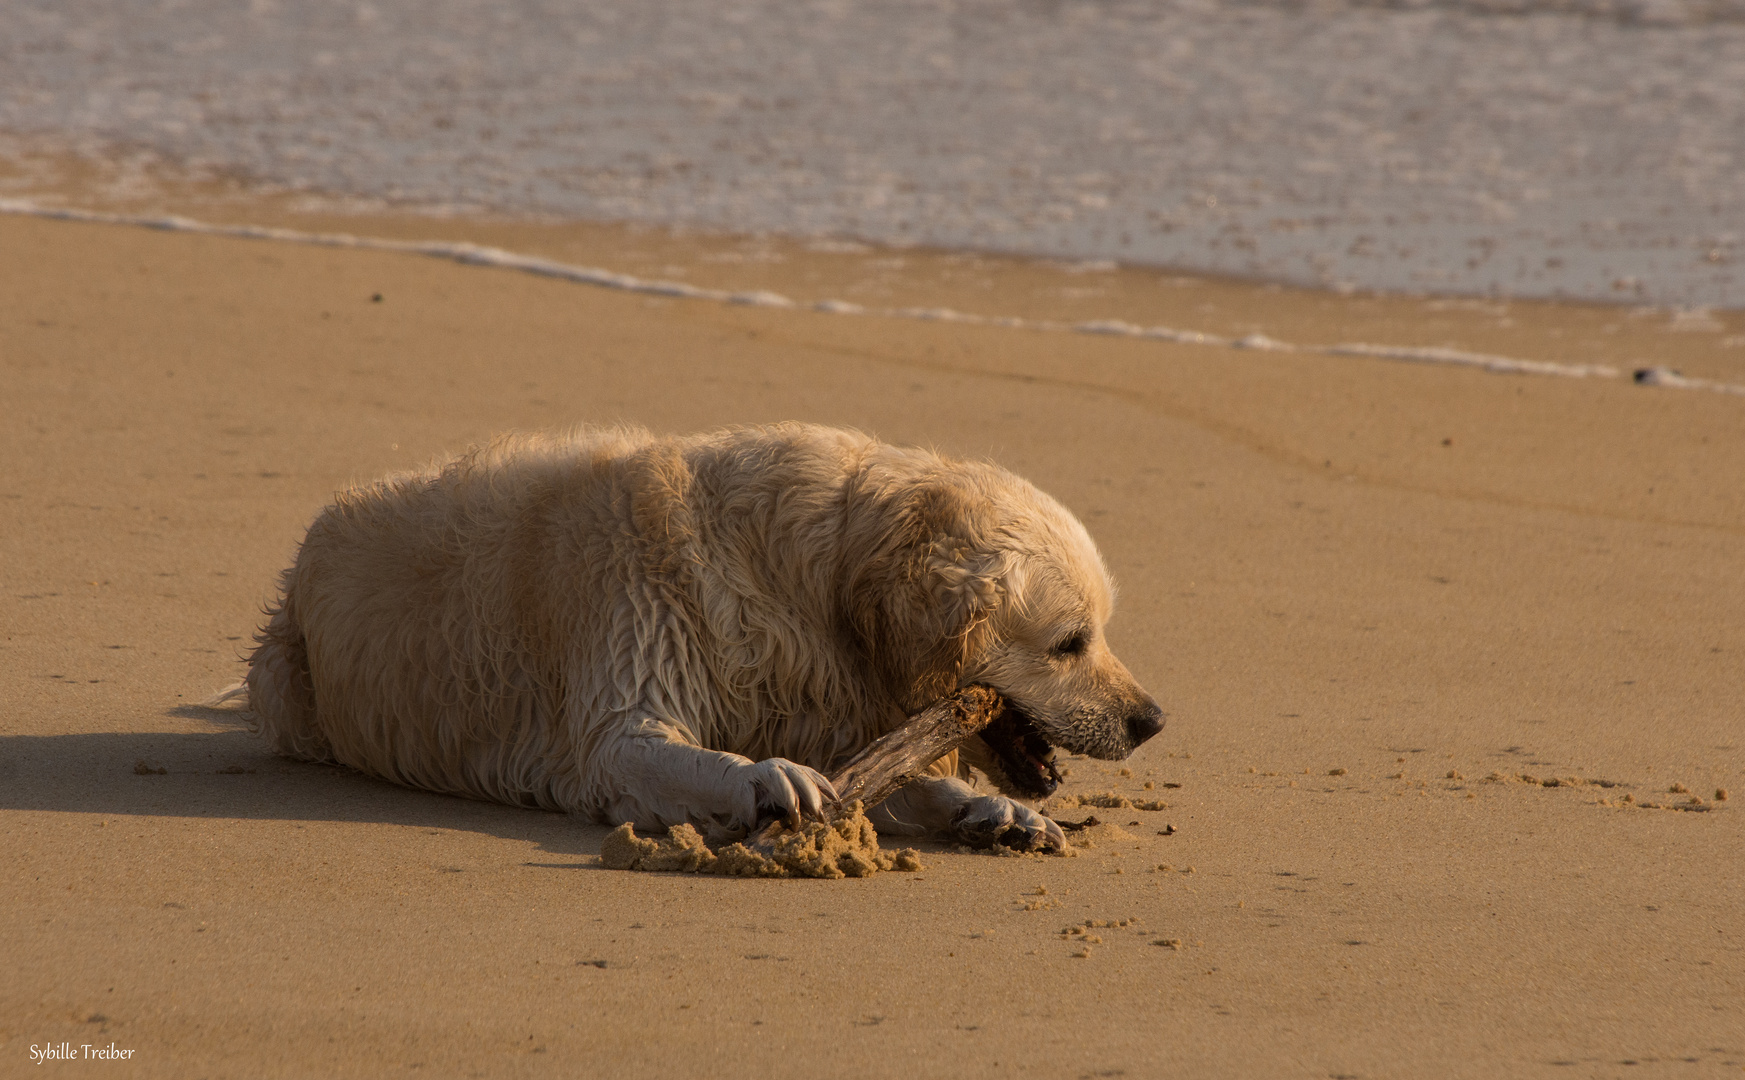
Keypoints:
pixel 1360 588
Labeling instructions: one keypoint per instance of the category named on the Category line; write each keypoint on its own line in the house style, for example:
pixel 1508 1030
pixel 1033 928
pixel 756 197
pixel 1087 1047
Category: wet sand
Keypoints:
pixel 1419 575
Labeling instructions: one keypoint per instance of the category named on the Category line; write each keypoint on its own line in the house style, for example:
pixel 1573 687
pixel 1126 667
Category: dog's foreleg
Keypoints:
pixel 653 774
pixel 946 808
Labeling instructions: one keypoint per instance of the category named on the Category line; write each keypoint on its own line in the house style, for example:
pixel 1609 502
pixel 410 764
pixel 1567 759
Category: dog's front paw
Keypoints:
pixel 995 819
pixel 778 788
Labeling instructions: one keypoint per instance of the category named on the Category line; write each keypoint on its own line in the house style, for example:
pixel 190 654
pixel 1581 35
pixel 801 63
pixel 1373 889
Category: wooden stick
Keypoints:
pixel 901 755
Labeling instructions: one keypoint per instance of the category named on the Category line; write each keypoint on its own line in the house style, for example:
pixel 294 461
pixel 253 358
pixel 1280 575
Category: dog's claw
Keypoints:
pixel 995 819
pixel 779 788
pixel 1056 836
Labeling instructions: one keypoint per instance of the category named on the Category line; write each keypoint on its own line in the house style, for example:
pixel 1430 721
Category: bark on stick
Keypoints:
pixel 905 753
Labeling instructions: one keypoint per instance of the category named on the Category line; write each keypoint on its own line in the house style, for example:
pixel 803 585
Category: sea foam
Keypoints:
pixel 1588 149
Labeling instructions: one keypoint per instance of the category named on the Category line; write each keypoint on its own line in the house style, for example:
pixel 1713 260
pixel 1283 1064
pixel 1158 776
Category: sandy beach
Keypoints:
pixel 1452 662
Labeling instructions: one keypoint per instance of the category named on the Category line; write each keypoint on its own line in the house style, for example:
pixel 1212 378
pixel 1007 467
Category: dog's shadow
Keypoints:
pixel 228 773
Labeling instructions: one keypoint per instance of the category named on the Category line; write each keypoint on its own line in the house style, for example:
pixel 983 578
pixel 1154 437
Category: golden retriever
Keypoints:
pixel 660 630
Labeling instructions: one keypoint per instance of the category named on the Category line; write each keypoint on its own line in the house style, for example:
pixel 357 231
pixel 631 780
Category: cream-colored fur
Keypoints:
pixel 657 630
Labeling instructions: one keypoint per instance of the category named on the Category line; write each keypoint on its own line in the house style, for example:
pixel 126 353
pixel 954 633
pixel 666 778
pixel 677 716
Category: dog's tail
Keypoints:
pixel 227 695
pixel 280 689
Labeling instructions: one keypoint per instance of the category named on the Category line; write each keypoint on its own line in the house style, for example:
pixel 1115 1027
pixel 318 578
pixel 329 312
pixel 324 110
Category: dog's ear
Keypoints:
pixel 922 582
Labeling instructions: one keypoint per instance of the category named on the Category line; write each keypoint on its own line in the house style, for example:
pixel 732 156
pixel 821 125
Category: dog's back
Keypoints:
pixel 404 640
pixel 464 629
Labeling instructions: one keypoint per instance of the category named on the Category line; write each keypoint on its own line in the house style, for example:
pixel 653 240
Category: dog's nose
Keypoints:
pixel 1144 724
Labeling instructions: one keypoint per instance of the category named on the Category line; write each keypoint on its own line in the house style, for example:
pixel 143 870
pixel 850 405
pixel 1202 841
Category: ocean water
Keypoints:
pixel 1581 148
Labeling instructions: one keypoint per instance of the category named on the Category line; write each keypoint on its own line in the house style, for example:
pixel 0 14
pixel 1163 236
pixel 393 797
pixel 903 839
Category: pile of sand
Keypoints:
pixel 847 846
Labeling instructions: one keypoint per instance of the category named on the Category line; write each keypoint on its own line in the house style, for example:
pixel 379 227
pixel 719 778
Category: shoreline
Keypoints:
pixel 1662 347
pixel 472 254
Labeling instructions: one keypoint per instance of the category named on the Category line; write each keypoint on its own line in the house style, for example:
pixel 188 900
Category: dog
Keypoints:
pixel 662 630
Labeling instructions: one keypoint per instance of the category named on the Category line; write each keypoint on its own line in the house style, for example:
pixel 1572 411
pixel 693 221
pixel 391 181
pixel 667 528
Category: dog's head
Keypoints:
pixel 978 577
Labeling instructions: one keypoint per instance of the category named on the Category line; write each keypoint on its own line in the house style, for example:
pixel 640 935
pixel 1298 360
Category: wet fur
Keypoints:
pixel 616 624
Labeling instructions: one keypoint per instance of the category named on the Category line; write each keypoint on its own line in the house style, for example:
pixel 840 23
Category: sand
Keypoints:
pixel 1419 575
pixel 845 846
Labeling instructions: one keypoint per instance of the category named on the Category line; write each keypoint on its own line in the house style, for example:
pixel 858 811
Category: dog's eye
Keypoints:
pixel 1072 646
